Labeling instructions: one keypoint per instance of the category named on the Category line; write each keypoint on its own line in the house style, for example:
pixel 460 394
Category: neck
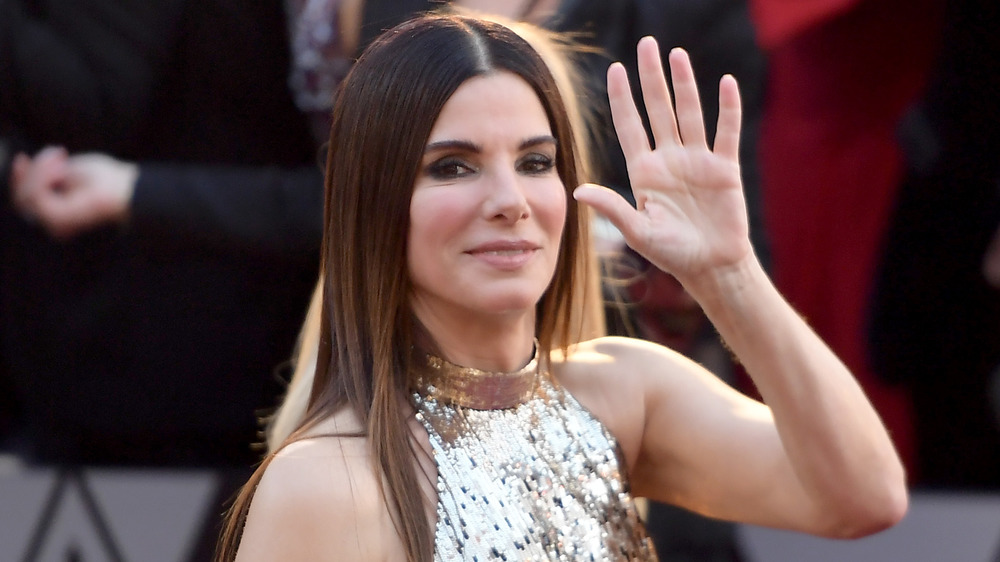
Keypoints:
pixel 501 343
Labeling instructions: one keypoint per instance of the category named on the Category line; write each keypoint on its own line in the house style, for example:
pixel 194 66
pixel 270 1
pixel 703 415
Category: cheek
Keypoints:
pixel 550 207
pixel 437 219
pixel 436 215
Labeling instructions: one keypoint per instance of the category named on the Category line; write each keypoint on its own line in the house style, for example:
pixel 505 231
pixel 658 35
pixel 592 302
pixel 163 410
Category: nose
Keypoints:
pixel 506 198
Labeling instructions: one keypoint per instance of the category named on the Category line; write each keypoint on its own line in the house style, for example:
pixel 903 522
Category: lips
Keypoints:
pixel 505 254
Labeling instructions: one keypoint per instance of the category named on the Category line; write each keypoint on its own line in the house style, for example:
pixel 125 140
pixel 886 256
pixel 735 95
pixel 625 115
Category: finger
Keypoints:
pixel 62 214
pixel 613 206
pixel 46 169
pixel 51 165
pixel 690 120
pixel 33 175
pixel 655 94
pixel 51 155
pixel 727 134
pixel 628 124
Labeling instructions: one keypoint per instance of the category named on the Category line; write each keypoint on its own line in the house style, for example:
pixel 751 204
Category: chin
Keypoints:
pixel 511 302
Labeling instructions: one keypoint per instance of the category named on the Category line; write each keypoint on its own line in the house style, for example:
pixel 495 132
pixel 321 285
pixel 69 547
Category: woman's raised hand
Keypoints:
pixel 691 214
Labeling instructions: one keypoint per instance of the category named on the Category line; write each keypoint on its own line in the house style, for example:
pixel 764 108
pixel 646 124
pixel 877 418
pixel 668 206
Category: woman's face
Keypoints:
pixel 488 206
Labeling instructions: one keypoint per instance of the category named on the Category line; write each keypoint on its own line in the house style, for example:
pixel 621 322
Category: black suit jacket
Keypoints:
pixel 155 342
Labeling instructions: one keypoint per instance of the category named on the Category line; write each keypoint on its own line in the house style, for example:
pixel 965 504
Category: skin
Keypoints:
pixel 816 458
pixel 69 195
pixel 486 219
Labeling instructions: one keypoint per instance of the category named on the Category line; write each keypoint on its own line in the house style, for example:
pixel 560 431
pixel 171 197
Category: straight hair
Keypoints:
pixel 382 119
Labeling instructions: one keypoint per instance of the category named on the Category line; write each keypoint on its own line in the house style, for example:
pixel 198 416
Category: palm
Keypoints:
pixel 690 213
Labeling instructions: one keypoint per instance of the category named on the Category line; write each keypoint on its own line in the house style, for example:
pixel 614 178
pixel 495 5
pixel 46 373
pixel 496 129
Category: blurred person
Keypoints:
pixel 840 75
pixel 935 316
pixel 433 385
pixel 38 52
pixel 161 238
pixel 149 289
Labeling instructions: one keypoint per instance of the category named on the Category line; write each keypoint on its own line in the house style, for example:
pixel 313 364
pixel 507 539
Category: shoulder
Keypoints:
pixel 614 361
pixel 614 378
pixel 619 349
pixel 318 499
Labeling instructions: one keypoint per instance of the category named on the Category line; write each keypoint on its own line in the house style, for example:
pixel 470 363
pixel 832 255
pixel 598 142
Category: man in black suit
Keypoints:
pixel 154 340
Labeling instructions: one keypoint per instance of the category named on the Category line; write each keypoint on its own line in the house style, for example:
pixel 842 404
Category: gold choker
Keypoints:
pixel 468 387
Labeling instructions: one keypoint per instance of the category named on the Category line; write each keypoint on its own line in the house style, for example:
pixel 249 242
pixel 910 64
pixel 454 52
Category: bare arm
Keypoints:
pixel 816 458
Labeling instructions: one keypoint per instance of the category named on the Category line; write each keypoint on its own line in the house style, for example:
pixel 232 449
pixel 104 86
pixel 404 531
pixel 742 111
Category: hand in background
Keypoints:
pixel 69 195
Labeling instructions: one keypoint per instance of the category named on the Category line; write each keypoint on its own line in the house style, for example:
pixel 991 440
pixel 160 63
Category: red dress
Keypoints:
pixel 841 73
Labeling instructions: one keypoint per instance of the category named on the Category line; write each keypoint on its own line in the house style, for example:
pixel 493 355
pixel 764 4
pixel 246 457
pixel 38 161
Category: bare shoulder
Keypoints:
pixel 607 363
pixel 610 376
pixel 618 350
pixel 318 499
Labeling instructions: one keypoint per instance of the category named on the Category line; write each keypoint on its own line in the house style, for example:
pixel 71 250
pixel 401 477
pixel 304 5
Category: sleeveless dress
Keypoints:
pixel 524 471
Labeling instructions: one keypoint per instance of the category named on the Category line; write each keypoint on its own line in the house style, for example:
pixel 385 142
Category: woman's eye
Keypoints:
pixel 536 164
pixel 449 168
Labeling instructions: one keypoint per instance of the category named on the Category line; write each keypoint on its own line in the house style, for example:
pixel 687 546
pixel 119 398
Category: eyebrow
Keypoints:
pixel 468 146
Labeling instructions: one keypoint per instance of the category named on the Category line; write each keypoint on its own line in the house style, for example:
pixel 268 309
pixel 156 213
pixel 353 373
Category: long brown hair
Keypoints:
pixel 382 119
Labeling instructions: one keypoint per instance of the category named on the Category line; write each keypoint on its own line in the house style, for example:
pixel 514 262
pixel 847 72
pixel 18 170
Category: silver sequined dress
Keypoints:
pixel 537 478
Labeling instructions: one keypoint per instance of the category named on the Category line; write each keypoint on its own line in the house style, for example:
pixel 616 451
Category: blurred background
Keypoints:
pixel 161 214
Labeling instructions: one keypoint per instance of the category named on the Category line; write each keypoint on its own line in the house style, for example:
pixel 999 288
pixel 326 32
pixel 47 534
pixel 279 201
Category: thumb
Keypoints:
pixel 612 205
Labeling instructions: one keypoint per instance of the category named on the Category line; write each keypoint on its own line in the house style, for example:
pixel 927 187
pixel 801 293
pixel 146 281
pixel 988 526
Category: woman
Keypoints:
pixel 450 417
pixel 588 320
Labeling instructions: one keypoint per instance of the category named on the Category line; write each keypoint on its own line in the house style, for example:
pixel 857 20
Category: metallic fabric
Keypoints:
pixel 540 479
pixel 473 388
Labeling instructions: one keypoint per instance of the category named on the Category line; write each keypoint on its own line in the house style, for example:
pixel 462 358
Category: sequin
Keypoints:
pixel 537 480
